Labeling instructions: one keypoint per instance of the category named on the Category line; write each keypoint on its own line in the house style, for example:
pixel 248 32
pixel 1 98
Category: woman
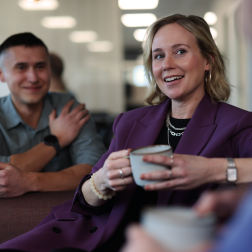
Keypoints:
pixel 183 63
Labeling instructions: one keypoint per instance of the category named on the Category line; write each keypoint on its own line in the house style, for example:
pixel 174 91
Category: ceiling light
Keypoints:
pixel 210 18
pixel 137 4
pixel 38 5
pixel 58 22
pixel 83 36
pixel 138 20
pixel 100 46
pixel 213 32
pixel 139 34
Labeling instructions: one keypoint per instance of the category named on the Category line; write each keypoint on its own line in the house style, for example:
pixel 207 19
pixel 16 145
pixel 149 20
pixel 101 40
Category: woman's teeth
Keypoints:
pixel 173 78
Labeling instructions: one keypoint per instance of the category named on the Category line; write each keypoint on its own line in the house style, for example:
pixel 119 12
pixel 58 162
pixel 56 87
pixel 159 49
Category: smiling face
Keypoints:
pixel 26 70
pixel 177 64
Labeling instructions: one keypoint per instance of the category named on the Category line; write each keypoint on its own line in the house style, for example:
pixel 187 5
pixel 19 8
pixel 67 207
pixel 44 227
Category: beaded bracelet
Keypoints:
pixel 97 193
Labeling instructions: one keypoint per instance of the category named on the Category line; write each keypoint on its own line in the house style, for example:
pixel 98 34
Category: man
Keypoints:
pixel 47 141
pixel 57 68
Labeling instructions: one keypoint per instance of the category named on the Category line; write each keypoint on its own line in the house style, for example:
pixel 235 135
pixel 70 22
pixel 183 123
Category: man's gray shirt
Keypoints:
pixel 18 137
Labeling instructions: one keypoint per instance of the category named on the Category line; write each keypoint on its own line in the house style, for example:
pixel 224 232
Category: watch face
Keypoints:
pixel 231 174
pixel 51 139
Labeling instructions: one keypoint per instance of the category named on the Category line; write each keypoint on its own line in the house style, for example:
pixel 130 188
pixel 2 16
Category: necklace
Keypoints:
pixel 174 127
pixel 168 125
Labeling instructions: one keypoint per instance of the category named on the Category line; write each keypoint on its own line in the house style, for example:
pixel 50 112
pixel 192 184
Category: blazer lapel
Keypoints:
pixel 145 131
pixel 197 134
pixel 200 128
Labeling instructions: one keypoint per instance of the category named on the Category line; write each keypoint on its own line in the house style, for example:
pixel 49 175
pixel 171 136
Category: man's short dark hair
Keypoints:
pixel 26 39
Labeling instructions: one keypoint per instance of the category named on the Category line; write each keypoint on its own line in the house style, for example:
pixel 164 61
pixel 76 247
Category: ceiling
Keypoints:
pixel 164 8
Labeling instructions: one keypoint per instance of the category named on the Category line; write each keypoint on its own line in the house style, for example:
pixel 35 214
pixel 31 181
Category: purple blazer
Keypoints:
pixel 215 130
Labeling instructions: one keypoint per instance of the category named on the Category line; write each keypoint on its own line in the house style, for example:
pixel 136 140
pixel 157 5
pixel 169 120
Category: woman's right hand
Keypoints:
pixel 109 178
pixel 116 173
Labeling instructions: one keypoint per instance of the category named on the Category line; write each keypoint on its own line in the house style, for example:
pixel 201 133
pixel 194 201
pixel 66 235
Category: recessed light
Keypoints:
pixel 137 4
pixel 139 34
pixel 210 18
pixel 100 46
pixel 213 32
pixel 58 22
pixel 83 36
pixel 138 20
pixel 38 5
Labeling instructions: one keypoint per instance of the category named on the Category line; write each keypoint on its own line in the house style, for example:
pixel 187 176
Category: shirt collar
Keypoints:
pixel 12 117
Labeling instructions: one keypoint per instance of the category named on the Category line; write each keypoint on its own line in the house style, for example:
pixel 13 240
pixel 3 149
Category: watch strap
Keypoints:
pixel 52 140
pixel 57 147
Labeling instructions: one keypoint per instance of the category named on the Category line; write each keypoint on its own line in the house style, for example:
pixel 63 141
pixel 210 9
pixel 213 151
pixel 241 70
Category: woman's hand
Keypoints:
pixel 186 172
pixel 222 203
pixel 116 173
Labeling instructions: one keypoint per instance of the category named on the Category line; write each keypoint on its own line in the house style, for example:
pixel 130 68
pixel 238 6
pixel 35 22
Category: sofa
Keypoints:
pixel 21 214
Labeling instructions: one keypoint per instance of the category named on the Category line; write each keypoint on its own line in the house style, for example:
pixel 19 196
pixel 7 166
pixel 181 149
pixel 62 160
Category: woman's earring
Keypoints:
pixel 209 77
pixel 157 91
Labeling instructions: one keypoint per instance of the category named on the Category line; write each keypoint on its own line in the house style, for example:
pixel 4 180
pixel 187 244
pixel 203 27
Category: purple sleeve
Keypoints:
pixel 242 140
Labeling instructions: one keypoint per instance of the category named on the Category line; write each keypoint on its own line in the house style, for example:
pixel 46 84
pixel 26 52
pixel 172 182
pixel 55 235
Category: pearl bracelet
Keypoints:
pixel 97 193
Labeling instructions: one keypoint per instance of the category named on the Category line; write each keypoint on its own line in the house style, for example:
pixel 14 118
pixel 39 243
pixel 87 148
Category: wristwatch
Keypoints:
pixel 231 171
pixel 52 140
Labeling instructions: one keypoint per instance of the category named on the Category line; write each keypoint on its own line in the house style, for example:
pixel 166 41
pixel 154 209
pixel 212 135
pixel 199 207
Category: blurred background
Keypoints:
pixel 100 44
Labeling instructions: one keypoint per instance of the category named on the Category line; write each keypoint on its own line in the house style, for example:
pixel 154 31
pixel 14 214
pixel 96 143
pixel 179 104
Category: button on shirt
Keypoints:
pixel 18 137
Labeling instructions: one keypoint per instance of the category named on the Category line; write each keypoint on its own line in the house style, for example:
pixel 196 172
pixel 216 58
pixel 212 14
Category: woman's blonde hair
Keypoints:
pixel 218 88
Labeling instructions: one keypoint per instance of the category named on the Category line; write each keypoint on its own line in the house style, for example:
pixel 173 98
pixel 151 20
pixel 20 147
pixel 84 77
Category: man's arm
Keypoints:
pixel 15 182
pixel 65 127
pixel 34 159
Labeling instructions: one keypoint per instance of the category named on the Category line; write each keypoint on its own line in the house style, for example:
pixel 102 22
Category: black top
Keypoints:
pixel 141 197
pixel 174 140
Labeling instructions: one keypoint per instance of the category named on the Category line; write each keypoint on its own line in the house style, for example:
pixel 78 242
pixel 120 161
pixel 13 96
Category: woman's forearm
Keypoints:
pixel 89 194
pixel 244 170
pixel 219 168
pixel 243 165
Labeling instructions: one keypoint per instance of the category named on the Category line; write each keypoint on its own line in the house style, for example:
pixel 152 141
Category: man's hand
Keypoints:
pixel 13 182
pixel 67 125
pixel 221 203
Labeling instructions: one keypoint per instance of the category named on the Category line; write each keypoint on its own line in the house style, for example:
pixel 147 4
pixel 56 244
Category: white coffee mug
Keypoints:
pixel 139 167
pixel 178 228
